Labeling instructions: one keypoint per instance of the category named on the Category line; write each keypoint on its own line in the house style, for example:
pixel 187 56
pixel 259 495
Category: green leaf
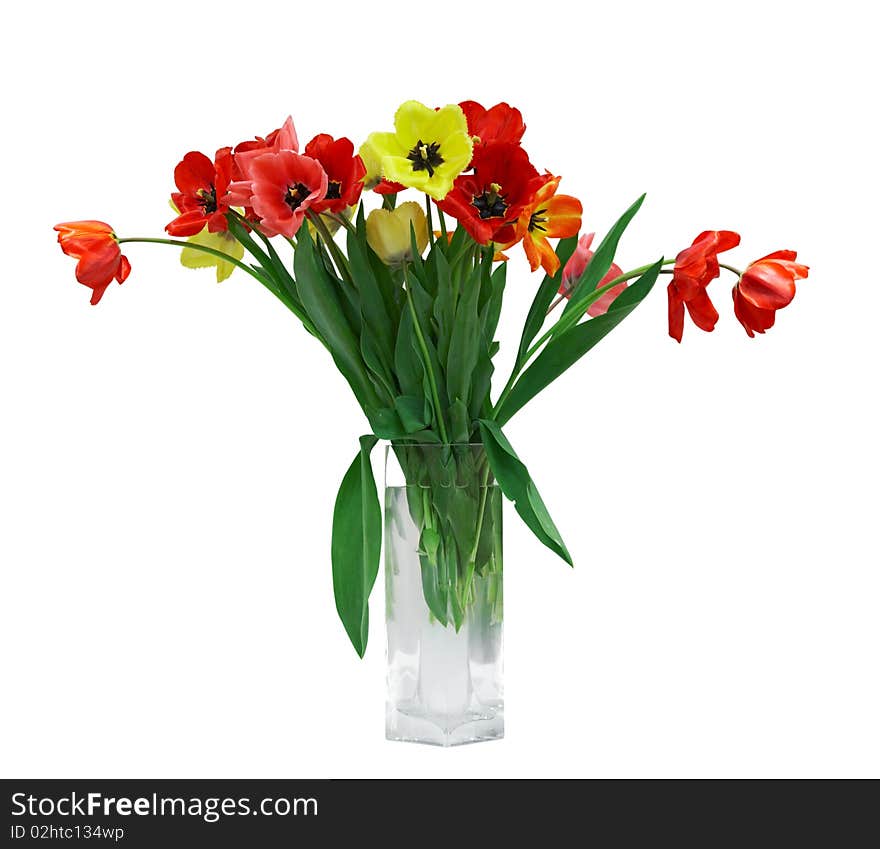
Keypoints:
pixel 385 422
pixel 564 350
pixel 459 245
pixel 321 302
pixel 464 346
pixel 435 587
pixel 516 483
pixel 374 360
pixel 278 267
pixel 444 305
pixel 430 543
pixel 376 320
pixel 481 377
pixel 279 282
pixel 459 422
pixel 240 232
pixel 601 261
pixel 408 366
pixel 418 264
pixel 411 409
pixel 355 545
pixel 544 297
pixel 481 384
pixel 389 285
pixel 493 308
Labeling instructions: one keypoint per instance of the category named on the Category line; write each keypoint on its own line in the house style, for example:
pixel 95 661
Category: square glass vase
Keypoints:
pixel 444 596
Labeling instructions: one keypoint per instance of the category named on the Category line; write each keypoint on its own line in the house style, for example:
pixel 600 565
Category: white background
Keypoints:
pixel 170 457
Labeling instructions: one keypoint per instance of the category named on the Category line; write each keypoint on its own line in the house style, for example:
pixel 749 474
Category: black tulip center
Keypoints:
pixel 425 157
pixel 208 200
pixel 538 220
pixel 491 203
pixel 295 195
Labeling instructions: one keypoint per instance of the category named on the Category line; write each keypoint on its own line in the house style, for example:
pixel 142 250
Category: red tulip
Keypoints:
pixel 488 202
pixel 345 172
pixel 202 193
pixel 500 123
pixel 767 285
pixel 695 268
pixel 94 245
pixel 386 187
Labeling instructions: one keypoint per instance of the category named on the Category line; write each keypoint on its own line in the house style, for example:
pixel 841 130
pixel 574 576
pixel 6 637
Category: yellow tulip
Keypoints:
pixel 373 164
pixel 427 150
pixel 192 258
pixel 388 232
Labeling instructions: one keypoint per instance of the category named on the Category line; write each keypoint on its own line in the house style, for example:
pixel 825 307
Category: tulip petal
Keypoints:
pixel 389 232
pixel 702 311
pixel 752 318
pixel 187 224
pixel 195 171
pixel 768 285
pixel 124 269
pixel 564 216
pixel 676 313
pixel 600 307
pixel 577 263
pixel 99 265
pixel 412 120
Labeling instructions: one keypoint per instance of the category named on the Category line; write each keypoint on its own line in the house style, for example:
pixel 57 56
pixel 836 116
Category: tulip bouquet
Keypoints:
pixel 406 299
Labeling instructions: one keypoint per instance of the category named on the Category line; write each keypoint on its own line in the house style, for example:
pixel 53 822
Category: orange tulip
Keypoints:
pixel 549 216
pixel 94 245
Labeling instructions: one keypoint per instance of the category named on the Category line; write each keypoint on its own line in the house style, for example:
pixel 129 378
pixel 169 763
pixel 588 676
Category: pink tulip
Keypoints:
pixel 247 152
pixel 574 268
pixel 283 187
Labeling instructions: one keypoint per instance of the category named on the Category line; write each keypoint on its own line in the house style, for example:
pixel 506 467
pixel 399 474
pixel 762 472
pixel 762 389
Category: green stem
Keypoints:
pixel 567 321
pixel 340 217
pixel 270 250
pixel 443 231
pixel 430 219
pixel 291 240
pixel 736 271
pixel 622 278
pixel 556 303
pixel 564 323
pixel 203 248
pixel 472 560
pixel 508 388
pixel 338 257
pixel 435 396
pixel 278 293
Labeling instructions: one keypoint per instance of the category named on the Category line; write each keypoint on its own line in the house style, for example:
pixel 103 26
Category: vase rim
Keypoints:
pixel 389 445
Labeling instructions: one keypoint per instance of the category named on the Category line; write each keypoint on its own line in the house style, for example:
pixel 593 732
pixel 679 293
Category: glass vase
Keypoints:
pixel 444 596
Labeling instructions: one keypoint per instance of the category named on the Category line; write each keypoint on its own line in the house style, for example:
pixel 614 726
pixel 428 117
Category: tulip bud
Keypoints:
pixel 388 232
